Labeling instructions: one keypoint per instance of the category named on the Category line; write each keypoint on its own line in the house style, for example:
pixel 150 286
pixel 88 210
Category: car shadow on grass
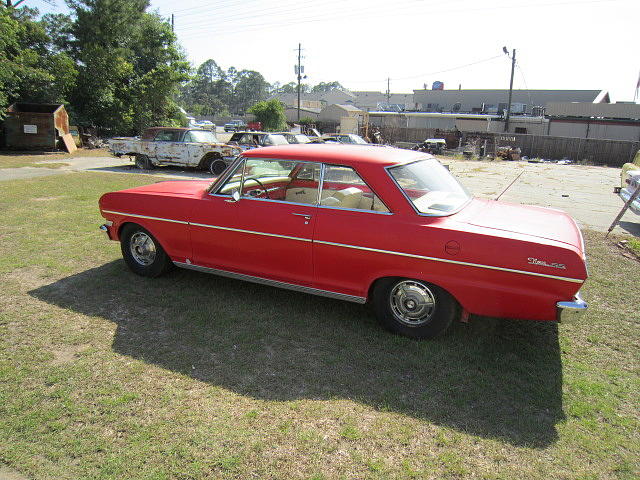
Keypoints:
pixel 492 378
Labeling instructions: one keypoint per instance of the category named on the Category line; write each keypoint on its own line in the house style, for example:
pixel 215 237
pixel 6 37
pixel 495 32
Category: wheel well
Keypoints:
pixel 381 279
pixel 209 156
pixel 121 228
pixel 375 282
pixel 125 224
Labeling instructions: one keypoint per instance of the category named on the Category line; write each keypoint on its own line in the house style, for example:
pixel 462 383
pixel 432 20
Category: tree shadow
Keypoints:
pixel 494 378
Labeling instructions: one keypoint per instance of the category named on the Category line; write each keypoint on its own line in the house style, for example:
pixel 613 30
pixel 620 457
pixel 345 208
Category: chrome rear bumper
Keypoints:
pixel 570 312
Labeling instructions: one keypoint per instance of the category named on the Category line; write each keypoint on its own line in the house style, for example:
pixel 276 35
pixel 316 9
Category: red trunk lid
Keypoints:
pixel 538 222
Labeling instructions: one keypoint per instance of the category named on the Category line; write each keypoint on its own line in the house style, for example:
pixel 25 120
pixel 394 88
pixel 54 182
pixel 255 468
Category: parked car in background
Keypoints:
pixel 349 138
pixel 364 224
pixel 295 137
pixel 186 147
pixel 248 140
pixel 434 146
pixel 206 125
pixel 254 126
pixel 234 126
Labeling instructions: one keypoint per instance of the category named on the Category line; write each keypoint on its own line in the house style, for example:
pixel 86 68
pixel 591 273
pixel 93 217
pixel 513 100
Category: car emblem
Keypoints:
pixel 543 263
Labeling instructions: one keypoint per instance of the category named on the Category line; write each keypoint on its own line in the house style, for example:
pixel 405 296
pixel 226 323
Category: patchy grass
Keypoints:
pixel 107 375
pixel 633 244
pixel 46 160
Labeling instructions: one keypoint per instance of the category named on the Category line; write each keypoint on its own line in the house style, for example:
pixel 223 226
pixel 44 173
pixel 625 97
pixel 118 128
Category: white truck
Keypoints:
pixel 187 147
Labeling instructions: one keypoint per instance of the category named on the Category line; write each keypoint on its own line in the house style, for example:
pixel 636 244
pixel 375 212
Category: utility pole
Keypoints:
pixel 388 90
pixel 299 72
pixel 513 66
pixel 173 21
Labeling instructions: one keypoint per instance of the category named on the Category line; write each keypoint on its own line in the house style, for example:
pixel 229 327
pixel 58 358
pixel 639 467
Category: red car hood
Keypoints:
pixel 538 222
pixel 180 187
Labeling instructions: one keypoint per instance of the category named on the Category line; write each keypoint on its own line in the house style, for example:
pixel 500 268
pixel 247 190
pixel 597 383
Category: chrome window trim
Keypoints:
pixel 223 178
pixel 456 262
pixel 357 247
pixel 387 168
pixel 354 209
pixel 273 283
pixel 272 200
pixel 147 217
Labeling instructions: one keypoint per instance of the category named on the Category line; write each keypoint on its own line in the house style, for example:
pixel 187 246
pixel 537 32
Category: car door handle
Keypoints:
pixel 306 216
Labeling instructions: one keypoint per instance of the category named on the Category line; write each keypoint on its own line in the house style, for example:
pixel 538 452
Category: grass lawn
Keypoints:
pixel 106 375
pixel 50 160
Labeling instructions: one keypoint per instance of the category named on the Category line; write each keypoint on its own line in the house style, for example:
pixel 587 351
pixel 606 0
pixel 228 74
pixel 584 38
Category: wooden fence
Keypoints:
pixel 613 153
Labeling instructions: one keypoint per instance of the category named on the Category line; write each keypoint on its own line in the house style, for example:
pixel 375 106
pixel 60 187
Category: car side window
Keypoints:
pixel 272 179
pixel 344 188
pixel 167 136
pixel 188 138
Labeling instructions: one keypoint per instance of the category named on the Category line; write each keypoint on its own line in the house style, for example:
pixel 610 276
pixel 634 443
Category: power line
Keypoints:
pixel 378 13
pixel 293 17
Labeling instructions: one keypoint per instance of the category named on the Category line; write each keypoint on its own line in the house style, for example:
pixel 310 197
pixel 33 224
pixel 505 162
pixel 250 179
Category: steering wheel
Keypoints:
pixel 266 192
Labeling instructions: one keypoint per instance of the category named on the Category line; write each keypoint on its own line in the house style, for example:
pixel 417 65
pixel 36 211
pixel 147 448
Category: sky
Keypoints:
pixel 560 44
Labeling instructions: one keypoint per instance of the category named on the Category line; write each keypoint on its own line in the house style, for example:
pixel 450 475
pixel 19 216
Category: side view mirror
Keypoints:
pixel 235 195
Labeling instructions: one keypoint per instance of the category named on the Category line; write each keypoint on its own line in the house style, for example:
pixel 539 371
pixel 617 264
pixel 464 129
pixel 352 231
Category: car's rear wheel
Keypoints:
pixel 413 308
pixel 142 253
pixel 143 162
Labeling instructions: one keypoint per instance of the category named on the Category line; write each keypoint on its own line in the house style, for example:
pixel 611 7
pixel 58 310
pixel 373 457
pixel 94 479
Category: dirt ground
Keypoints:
pixel 585 192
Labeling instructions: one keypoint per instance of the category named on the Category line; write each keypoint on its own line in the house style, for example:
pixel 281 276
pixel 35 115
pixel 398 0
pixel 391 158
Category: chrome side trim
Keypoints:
pixel 204 225
pixel 273 283
pixel 457 262
pixel 356 247
pixel 147 217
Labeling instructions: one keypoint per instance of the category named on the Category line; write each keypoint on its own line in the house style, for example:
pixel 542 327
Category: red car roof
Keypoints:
pixel 352 155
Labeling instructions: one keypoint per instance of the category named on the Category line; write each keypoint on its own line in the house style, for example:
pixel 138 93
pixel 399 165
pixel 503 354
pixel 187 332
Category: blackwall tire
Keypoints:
pixel 143 162
pixel 413 308
pixel 217 166
pixel 142 253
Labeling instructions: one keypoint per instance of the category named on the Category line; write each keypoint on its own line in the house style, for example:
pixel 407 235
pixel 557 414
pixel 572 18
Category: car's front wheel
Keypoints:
pixel 142 253
pixel 413 308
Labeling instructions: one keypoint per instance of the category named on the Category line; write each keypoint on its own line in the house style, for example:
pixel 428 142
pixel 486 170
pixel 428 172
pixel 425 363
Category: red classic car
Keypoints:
pixel 358 223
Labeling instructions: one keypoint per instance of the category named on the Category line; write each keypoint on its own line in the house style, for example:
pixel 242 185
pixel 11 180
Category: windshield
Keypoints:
pixel 200 136
pixel 430 187
pixel 275 140
pixel 357 139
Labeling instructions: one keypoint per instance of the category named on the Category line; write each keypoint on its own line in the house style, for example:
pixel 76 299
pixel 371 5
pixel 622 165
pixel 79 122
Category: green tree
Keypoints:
pixel 271 114
pixel 324 87
pixel 130 67
pixel 292 87
pixel 250 88
pixel 32 69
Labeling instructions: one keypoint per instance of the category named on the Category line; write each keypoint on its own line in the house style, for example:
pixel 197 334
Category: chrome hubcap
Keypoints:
pixel 413 303
pixel 143 250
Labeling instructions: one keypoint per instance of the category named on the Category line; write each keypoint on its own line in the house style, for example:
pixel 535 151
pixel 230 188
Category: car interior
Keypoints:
pixel 298 182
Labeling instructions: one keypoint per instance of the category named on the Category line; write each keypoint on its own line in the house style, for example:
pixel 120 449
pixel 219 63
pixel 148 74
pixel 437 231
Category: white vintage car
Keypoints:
pixel 186 147
pixel 630 182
